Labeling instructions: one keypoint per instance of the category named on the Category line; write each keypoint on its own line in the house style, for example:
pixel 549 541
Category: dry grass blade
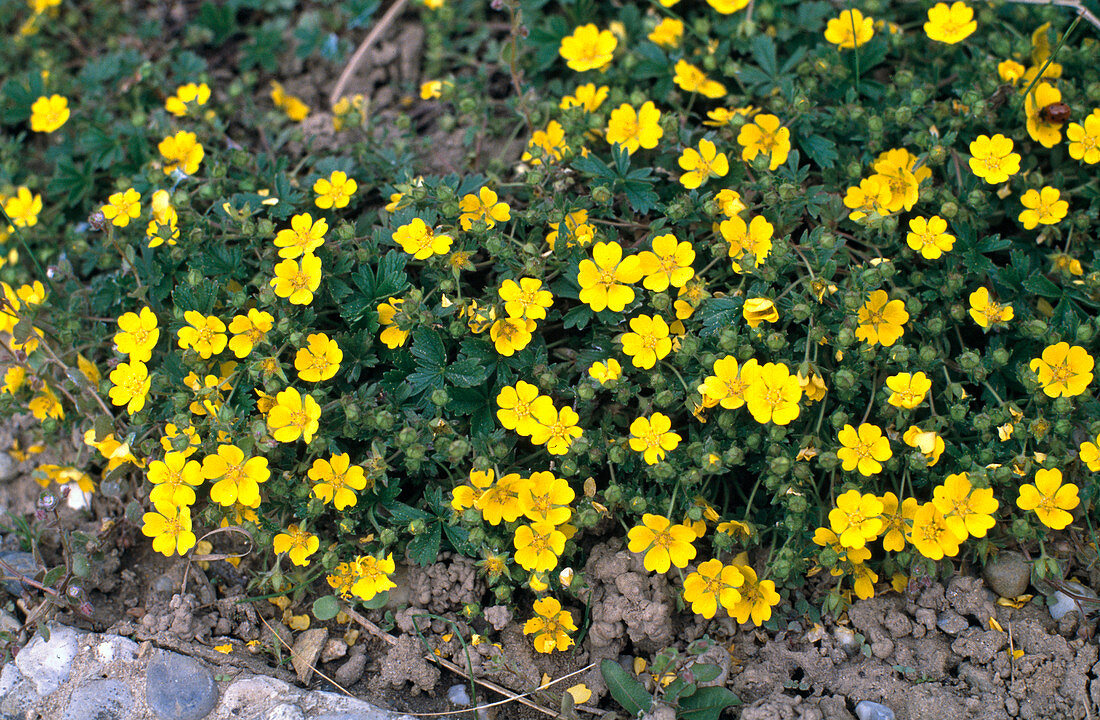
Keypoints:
pixel 361 51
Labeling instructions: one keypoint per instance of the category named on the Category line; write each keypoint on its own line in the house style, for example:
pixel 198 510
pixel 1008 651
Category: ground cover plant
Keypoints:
pixel 797 299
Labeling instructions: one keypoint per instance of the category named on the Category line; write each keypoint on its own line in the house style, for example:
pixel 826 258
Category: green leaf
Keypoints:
pixel 578 317
pixel 820 149
pixel 405 514
pixel 428 348
pixel 718 313
pixel 625 688
pixel 704 672
pixel 326 608
pixel 763 52
pixel 1041 285
pixel 467 373
pixel 53 575
pixel 706 703
pixel 377 601
pixel 424 548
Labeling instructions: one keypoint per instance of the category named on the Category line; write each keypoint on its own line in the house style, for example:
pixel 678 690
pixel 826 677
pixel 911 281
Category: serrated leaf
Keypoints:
pixel 424 548
pixel 428 348
pixel 820 149
pixel 467 373
pixel 578 317
pixel 763 52
pixel 326 607
pixel 592 165
pixel 706 703
pixel 718 313
pixel 1041 285
pixel 625 688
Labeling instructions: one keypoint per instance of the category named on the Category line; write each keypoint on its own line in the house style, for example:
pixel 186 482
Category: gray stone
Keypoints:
pixel 952 623
pixel 48 664
pixel 18 699
pixel 243 697
pixel 285 711
pixel 8 467
pixel 458 695
pixel 867 710
pixel 1008 575
pixel 1061 604
pixel 21 562
pixel 100 700
pixel 334 649
pixel 349 673
pixel 179 688
pixel 307 648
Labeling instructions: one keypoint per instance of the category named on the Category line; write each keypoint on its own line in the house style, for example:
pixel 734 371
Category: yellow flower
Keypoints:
pixel 604 279
pixel 121 208
pixel 170 530
pixel 297 281
pixel 727 7
pixel 992 158
pixel 1049 498
pixel 294 108
pixel 525 299
pixel 728 383
pixel 871 196
pixel 249 330
pixel 294 415
pixel 928 443
pixel 163 227
pixel 929 237
pixel 175 479
pixel 667 33
pixel 504 500
pixel 931 535
pixel 187 97
pixel 336 480
pixel 557 429
pixel 604 373
pixel 653 437
pixel 238 477
pixel 23 208
pixel 691 79
pixel 711 585
pixel 588 48
pixel 181 152
pixel 663 543
pixel 420 241
pixel 1090 454
pixel 702 164
pixel 1063 370
pixel 728 202
pixel 764 135
pixel 864 450
pixel 758 310
pixel 773 394
pixel 896 520
pixel 302 237
pixel 1042 207
pixel 550 626
pixel 986 311
pixel 1040 127
pixel 131 384
pixel 185 441
pixel 137 335
pixel 908 391
pixel 1010 71
pixel 967 510
pixel 1084 139
pixel 550 143
pixel 205 334
pixel 392 336
pixel 546 498
pixel 483 207
pixel 432 89
pixel 881 320
pixel 15 376
pixel 538 546
pixel 49 113
pixel 320 360
pixel 758 597
pixel 813 386
pixel 669 263
pixel 334 191
pixel 586 96
pixel 850 30
pixel 517 404
pixel 466 496
pixel 633 129
pixel 298 544
pixel 856 519
pixel 950 24
pixel 372 576
pixel 510 334
pixel 648 341
pixel 754 237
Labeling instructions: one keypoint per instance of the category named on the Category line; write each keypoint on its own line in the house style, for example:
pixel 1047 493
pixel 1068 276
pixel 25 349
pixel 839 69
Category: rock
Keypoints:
pixel 1061 603
pixel 21 562
pixel 349 673
pixel 458 695
pixel 1008 575
pixel 17 696
pixel 867 710
pixel 499 616
pixel 179 688
pixel 285 711
pixel 245 696
pixel 846 638
pixel 8 467
pixel 48 663
pixel 307 648
pixel 334 649
pixel 951 622
pixel 100 700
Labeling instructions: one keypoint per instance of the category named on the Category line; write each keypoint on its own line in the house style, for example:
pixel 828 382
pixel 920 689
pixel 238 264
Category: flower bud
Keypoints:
pixel 638 504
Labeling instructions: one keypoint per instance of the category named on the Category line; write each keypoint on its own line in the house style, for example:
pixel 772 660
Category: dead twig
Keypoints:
pixel 1076 5
pixel 357 57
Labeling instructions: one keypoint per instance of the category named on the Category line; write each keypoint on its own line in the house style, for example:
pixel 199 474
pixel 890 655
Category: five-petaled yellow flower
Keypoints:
pixel 335 191
pixel 1042 207
pixel 950 24
pixel 298 544
pixel 1064 370
pixel 702 164
pixel 588 48
pixel 663 543
pixel 122 207
pixel 293 416
pixel 550 626
pixel 851 29
pixel 992 158
pixel 986 311
pixel 765 135
pixel 653 437
pixel 633 129
pixel 1049 498
pixel 170 529
pixel 881 320
pixel 864 450
pixel 929 237
pixel 49 113
pixel 297 280
pixel 605 279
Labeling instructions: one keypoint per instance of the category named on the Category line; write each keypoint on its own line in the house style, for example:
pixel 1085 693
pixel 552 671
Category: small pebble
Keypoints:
pixel 458 695
pixel 1008 575
pixel 349 673
pixel 1063 604
pixel 178 687
pixel 867 710
pixel 21 562
pixel 952 623
pixel 846 638
pixel 48 664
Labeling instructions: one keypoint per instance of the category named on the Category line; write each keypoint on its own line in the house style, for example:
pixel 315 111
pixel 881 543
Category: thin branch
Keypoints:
pixel 1076 5
pixel 357 57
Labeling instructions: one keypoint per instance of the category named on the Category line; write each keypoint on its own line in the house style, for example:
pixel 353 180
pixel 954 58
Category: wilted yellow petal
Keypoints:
pixel 580 693
pixel 299 622
pixel 639 665
pixel 994 625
